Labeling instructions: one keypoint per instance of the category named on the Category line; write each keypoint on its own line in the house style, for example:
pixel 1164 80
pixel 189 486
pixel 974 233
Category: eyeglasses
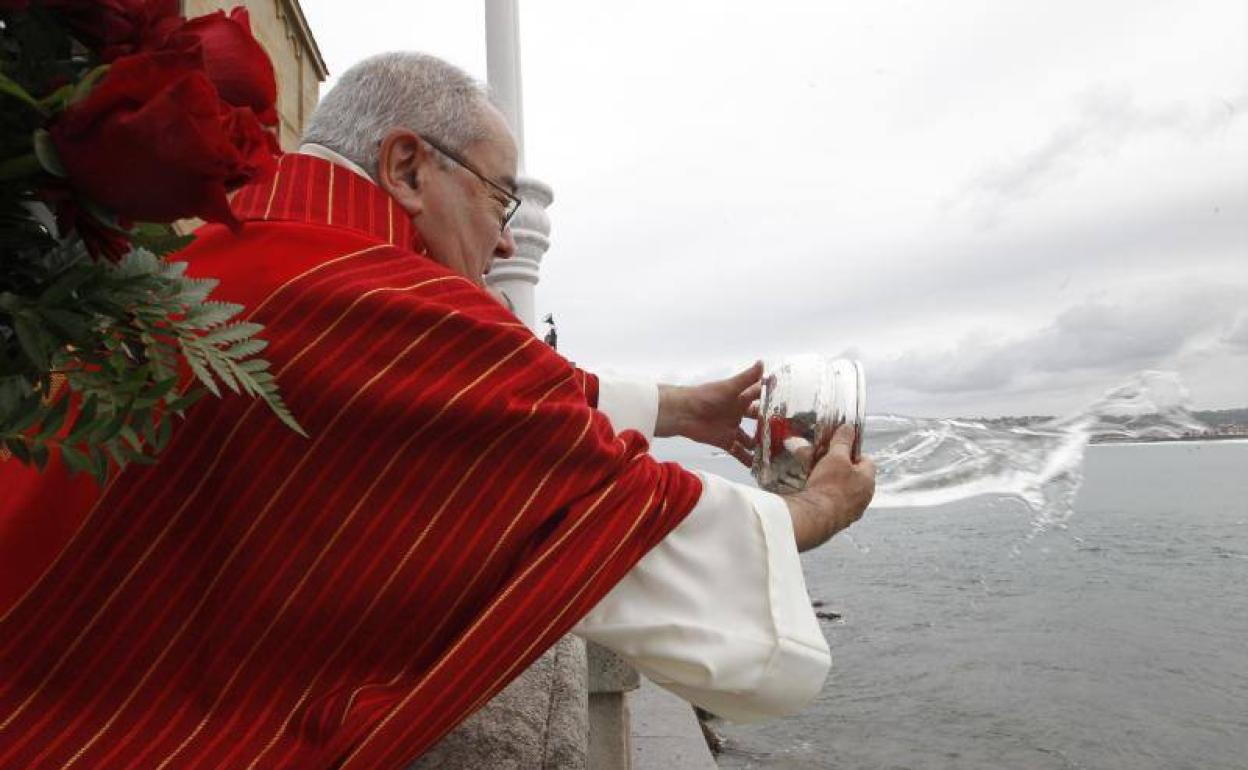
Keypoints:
pixel 509 200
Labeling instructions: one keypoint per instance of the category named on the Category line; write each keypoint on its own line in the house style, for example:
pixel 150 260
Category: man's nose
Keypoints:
pixel 506 246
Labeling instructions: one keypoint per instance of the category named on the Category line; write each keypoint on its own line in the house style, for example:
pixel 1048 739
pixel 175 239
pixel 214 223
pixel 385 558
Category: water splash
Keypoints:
pixel 924 461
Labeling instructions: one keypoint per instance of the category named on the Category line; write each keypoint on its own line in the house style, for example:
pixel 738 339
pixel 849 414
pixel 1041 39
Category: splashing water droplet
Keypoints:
pixel 925 461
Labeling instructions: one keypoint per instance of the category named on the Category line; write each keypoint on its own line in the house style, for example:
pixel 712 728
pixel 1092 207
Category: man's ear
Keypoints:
pixel 402 161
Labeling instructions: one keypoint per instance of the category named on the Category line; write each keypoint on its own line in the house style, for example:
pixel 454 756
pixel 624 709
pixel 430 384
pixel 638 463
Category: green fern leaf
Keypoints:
pixel 232 332
pixel 211 314
pixel 194 357
pixel 245 348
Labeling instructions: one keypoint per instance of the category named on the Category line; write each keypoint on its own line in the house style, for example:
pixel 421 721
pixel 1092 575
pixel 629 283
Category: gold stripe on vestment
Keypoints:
pixel 277 174
pixel 329 198
pixel 345 638
pixel 511 525
pixel 256 521
pixel 584 586
pixel 471 629
pixel 108 487
pixel 463 480
pixel 220 452
pixel 290 476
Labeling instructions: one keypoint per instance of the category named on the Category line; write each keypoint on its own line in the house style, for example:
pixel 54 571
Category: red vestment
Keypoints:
pixel 262 600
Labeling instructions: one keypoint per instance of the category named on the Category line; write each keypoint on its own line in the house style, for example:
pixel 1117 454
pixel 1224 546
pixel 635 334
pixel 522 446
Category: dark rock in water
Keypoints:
pixel 828 615
pixel 817 603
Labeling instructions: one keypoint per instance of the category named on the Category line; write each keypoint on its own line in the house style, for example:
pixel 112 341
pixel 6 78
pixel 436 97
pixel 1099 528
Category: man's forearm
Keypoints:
pixel 812 526
pixel 672 407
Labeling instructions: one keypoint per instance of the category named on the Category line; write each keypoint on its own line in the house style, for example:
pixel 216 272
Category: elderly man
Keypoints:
pixel 465 498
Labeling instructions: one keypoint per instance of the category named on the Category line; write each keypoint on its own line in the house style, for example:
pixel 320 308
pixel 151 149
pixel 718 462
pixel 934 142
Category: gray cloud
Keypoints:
pixel 1104 120
pixel 1091 337
pixel 1236 336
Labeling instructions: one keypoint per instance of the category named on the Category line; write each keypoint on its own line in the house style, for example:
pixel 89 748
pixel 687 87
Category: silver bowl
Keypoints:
pixel 804 400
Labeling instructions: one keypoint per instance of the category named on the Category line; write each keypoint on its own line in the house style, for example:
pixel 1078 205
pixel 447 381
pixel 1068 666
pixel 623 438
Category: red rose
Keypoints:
pixel 234 61
pixel 153 143
pixel 256 146
pixel 116 28
pixel 102 241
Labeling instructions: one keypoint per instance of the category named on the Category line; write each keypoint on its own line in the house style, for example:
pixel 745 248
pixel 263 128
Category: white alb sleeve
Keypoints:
pixel 630 405
pixel 718 612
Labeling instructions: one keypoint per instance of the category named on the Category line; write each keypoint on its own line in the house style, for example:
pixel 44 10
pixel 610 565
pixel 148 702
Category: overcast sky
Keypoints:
pixel 1000 206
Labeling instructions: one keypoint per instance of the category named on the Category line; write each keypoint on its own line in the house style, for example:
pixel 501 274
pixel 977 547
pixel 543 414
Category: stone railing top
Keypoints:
pixel 609 672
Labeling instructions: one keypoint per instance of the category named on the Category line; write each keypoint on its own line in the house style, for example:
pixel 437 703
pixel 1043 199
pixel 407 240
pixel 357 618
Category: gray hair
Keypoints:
pixel 398 90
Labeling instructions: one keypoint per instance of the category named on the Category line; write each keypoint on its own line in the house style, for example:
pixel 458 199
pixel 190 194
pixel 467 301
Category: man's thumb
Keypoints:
pixel 842 439
pixel 748 377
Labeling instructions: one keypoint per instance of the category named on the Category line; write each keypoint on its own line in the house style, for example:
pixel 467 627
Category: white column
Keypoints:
pixel 516 277
pixel 502 64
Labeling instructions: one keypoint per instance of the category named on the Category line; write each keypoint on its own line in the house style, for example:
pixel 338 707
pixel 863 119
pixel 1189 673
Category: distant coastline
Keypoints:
pixel 1222 425
pixel 1106 441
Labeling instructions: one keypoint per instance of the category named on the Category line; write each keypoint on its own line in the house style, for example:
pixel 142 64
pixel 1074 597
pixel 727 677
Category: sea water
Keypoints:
pixel 966 641
pixel 1118 641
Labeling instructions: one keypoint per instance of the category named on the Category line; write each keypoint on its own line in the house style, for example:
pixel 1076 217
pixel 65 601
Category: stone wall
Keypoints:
pixel 280 27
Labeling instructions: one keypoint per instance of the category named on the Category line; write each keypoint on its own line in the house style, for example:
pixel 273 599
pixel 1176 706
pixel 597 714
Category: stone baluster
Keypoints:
pixel 517 277
pixel 610 728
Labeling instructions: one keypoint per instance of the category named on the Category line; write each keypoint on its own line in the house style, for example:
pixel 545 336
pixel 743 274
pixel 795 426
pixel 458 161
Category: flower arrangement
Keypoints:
pixel 119 118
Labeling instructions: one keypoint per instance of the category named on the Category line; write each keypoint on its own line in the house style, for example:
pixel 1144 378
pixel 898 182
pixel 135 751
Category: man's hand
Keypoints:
pixel 837 492
pixel 711 413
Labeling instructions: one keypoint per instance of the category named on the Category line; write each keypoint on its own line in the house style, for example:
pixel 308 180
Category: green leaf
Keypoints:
pixel 194 291
pixel 116 452
pixel 173 270
pixel 164 432
pixel 161 240
pixel 83 423
pixel 14 390
pixel 54 419
pixel 184 402
pixel 254 366
pixel 107 431
pixel 211 314
pixel 56 101
pixel 98 464
pixel 29 412
pixel 244 349
pixel 156 393
pixel 279 408
pixel 221 367
pixel 199 369
pixel 20 166
pixel 264 385
pixel 11 88
pixel 46 152
pixel 88 82
pixel 132 438
pixel 137 456
pixel 19 449
pixel 35 342
pixel 67 284
pixel 39 454
pixel 234 332
pixel 74 460
pixel 137 263
pixel 72 326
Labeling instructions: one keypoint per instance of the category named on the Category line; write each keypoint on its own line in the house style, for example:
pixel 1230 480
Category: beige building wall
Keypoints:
pixel 280 27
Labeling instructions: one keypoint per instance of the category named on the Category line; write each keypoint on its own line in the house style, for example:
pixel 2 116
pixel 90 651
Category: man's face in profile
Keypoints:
pixel 459 213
